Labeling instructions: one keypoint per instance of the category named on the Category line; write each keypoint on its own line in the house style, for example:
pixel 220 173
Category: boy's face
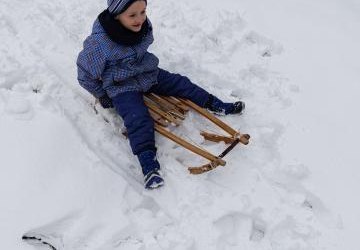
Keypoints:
pixel 134 16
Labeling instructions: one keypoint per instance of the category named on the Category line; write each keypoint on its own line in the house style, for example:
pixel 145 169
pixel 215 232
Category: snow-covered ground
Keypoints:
pixel 69 177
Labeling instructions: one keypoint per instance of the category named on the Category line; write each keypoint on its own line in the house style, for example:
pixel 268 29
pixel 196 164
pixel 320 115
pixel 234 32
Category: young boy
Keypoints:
pixel 116 68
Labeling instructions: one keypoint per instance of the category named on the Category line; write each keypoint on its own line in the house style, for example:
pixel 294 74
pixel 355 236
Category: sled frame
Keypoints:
pixel 167 111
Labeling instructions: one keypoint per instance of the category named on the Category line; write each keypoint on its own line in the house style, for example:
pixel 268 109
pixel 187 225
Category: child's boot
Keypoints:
pixel 221 108
pixel 151 169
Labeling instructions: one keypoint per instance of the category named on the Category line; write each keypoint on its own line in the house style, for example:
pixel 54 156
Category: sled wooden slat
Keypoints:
pixel 211 117
pixel 210 166
pixel 216 138
pixel 167 106
pixel 202 169
pixel 160 101
pixel 162 113
pixel 158 118
pixel 184 109
pixel 190 146
pixel 244 138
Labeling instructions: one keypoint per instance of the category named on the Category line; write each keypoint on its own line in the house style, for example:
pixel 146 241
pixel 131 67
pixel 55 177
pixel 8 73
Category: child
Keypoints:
pixel 116 68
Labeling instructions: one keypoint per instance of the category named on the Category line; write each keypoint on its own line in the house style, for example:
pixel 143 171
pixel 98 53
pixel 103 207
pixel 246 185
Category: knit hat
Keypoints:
pixel 116 7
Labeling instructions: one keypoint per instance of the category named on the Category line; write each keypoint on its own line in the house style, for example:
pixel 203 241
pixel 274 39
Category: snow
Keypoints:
pixel 68 176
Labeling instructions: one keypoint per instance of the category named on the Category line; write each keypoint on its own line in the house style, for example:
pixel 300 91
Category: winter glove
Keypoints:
pixel 106 102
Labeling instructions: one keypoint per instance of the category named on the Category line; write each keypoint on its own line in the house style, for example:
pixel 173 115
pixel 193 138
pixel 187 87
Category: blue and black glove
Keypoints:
pixel 106 102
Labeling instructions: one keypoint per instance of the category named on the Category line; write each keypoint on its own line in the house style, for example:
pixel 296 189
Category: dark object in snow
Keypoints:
pixel 36 90
pixel 32 239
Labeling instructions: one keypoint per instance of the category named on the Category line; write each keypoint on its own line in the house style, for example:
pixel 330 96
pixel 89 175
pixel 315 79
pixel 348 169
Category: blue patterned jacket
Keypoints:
pixel 108 67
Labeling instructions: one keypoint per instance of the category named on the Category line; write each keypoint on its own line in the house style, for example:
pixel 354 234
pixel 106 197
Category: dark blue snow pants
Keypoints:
pixel 138 122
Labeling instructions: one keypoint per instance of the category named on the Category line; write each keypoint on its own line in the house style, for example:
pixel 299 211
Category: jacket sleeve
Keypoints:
pixel 90 65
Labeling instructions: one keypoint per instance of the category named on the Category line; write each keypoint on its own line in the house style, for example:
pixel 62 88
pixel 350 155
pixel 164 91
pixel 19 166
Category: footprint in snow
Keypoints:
pixel 20 108
pixel 237 229
pixel 266 47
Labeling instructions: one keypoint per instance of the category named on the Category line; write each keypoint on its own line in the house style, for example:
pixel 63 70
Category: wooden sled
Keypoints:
pixel 171 111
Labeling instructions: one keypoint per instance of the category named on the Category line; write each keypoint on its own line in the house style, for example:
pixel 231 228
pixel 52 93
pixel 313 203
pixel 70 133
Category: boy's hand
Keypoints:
pixel 106 102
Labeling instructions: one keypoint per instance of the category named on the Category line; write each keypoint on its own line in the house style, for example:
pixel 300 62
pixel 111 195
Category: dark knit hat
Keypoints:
pixel 116 7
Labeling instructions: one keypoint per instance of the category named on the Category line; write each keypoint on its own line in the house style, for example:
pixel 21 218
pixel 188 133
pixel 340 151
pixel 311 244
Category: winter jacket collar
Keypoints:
pixel 118 33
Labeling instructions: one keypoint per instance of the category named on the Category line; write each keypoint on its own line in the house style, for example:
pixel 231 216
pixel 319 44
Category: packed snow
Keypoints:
pixel 68 176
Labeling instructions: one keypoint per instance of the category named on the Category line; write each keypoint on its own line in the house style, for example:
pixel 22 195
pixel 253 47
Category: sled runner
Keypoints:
pixel 167 111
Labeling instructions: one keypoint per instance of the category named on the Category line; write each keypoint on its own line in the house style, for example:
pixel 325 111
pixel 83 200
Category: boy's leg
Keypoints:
pixel 140 128
pixel 176 85
pixel 138 122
